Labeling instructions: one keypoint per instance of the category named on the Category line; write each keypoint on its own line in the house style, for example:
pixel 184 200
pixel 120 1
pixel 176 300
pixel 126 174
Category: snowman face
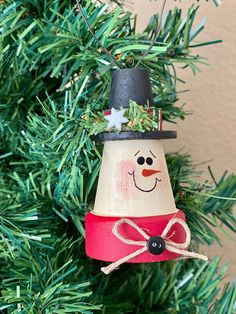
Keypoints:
pixel 140 170
pixel 146 174
pixel 134 180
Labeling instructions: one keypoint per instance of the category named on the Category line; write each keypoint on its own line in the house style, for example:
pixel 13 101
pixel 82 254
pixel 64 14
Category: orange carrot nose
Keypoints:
pixel 149 172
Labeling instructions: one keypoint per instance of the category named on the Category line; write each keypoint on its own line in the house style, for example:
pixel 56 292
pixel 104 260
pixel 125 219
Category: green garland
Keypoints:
pixel 140 119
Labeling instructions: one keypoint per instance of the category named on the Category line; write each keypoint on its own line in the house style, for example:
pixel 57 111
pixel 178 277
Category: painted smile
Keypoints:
pixel 140 189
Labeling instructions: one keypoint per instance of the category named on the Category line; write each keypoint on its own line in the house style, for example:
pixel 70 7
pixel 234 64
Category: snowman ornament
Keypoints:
pixel 134 219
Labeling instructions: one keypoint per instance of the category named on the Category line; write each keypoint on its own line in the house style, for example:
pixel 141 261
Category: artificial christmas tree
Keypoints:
pixel 57 58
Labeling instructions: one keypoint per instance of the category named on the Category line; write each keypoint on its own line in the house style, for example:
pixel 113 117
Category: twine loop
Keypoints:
pixel 179 248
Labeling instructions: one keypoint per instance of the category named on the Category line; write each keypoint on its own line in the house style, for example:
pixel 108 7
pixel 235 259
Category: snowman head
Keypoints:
pixel 134 180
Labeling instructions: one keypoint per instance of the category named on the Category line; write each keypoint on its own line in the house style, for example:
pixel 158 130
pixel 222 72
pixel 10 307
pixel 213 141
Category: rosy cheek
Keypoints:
pixel 124 181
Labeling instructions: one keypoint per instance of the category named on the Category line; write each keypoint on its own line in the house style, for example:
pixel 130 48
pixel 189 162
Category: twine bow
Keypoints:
pixel 179 248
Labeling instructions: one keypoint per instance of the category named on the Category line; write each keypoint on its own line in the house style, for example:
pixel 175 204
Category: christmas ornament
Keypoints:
pixel 134 219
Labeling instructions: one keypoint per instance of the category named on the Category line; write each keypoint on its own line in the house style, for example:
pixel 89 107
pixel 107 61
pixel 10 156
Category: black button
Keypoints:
pixel 156 245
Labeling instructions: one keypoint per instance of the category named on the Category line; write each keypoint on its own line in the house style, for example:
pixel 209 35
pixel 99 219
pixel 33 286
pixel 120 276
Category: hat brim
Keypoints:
pixel 134 135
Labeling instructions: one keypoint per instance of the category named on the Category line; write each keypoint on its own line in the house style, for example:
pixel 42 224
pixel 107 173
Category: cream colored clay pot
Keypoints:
pixel 134 180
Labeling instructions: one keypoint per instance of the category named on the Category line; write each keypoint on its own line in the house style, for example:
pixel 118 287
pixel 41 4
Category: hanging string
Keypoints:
pixel 95 37
pixel 156 35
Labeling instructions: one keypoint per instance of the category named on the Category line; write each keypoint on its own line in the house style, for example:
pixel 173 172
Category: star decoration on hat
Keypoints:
pixel 116 118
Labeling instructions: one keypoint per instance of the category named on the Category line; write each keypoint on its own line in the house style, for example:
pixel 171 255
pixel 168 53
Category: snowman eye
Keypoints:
pixel 149 161
pixel 141 160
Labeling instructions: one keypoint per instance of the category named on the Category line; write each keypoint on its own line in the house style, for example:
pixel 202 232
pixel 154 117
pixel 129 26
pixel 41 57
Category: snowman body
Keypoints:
pixel 133 183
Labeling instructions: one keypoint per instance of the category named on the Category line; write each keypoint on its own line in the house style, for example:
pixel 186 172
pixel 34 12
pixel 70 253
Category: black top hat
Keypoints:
pixel 131 84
